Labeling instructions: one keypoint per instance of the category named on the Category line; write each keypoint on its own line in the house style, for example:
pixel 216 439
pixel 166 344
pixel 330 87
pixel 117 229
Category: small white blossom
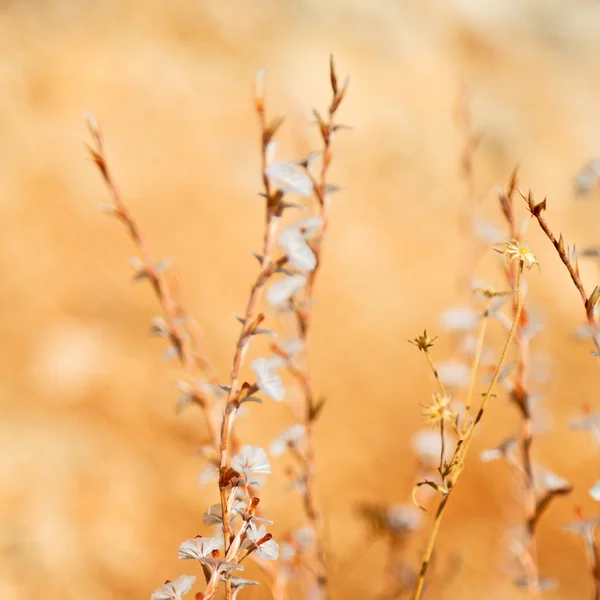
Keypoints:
pixel 268 550
pixel 491 454
pixel 308 226
pixel 281 291
pixel 488 232
pixel 289 178
pixel 268 380
pixel 587 421
pixel 588 178
pixel 214 514
pixel 290 349
pixel 404 518
pixel 209 473
pixel 173 590
pixel 552 482
pixel 454 374
pixel 220 565
pixel 292 437
pixel 304 537
pixel 251 460
pixel 595 491
pixel 585 528
pixel 297 250
pixel 427 445
pixel 237 583
pixel 198 547
pixel 461 318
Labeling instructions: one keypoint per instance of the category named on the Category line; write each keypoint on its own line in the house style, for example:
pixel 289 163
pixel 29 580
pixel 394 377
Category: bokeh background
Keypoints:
pixel 98 475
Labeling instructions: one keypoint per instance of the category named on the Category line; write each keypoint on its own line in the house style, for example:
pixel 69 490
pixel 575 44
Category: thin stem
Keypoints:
pixel 430 545
pixel 477 357
pixel 435 372
pixel 272 218
pixel 536 211
pixel 463 445
pixel 303 312
pixel 503 356
pixel 181 337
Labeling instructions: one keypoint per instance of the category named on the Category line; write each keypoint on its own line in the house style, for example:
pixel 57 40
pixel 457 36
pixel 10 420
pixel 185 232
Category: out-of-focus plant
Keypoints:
pixel 291 274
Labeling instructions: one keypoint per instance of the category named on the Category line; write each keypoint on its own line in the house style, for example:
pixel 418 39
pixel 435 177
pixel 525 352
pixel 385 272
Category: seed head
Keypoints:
pixel 520 251
pixel 439 410
pixel 423 342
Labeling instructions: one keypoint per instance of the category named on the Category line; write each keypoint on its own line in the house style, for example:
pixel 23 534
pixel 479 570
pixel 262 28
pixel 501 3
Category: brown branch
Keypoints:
pixel 589 302
pixel 303 313
pixel 181 337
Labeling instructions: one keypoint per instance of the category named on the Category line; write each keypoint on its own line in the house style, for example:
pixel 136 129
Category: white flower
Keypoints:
pixel 304 537
pixel 220 565
pixel 173 590
pixel 268 550
pixel 308 226
pixel 488 232
pixel 251 460
pixel 198 547
pixel 209 474
pixel 290 438
pixel 238 583
pixel 587 421
pixel 454 374
pixel 490 455
pixel 281 291
pixel 268 380
pixel 404 518
pixel 595 491
pixel 552 482
pixel 297 250
pixel 214 514
pixel 289 178
pixel 462 318
pixel 585 528
pixel 504 449
pixel 427 445
pixel 289 351
pixel 588 178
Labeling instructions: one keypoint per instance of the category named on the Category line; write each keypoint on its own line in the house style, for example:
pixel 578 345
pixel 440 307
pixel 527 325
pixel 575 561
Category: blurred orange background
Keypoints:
pixel 98 476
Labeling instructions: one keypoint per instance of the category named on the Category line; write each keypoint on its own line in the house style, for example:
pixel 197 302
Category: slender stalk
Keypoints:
pixel 435 372
pixel 272 218
pixel 477 357
pixel 462 448
pixel 181 337
pixel 590 307
pixel 430 545
pixel 303 314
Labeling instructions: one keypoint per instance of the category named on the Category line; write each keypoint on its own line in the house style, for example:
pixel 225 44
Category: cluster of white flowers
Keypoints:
pixel 295 243
pixel 249 538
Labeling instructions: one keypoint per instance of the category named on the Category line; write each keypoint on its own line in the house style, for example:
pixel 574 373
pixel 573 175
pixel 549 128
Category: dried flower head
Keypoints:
pixel 439 410
pixel 173 590
pixel 423 341
pixel 517 250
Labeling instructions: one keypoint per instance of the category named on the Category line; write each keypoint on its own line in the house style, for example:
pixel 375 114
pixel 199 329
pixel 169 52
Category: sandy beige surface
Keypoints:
pixel 98 476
